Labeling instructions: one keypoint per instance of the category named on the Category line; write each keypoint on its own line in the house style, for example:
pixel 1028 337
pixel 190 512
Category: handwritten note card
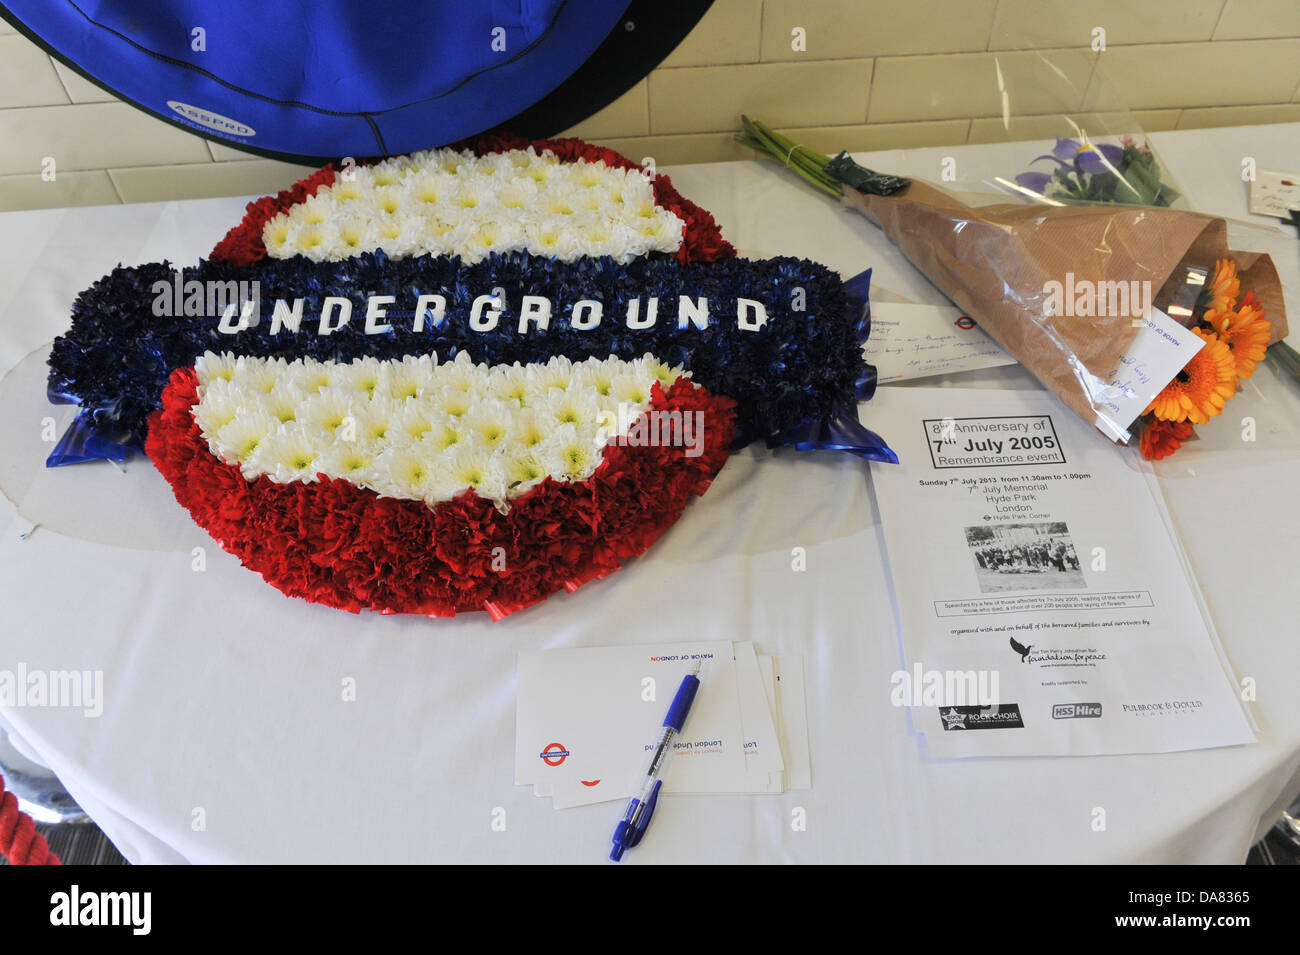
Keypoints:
pixel 1159 351
pixel 917 341
pixel 1274 193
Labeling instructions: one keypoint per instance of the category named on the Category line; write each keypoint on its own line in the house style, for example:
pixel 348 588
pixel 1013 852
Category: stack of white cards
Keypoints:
pixel 588 718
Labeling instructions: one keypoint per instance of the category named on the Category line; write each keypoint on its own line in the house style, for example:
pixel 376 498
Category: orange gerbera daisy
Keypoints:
pixel 1245 332
pixel 1162 438
pixel 1224 286
pixel 1201 389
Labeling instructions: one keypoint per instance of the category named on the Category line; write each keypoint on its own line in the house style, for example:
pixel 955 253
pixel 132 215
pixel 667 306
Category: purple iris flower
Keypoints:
pixel 1090 158
pixel 1035 181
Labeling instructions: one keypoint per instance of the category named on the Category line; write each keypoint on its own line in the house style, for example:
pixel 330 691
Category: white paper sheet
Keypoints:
pixel 1028 557
pixel 917 341
pixel 583 715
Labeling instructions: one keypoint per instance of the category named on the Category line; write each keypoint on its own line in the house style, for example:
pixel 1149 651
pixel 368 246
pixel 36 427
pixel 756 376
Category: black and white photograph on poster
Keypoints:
pixel 1024 557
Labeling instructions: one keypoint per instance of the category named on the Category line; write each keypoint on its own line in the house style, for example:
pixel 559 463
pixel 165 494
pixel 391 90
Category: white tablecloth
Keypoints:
pixel 223 700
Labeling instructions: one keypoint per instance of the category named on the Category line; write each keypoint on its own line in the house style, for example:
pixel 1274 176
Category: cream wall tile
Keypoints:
pixel 1095 125
pixel 1222 73
pixel 711 99
pixel 963 85
pixel 206 180
pixel 629 115
pixel 93 136
pixel 1246 19
pixel 728 33
pixel 27 77
pixel 864 138
pixel 1022 24
pixel 223 153
pixel 1239 116
pixel 835 29
pixel 81 89
pixel 675 150
pixel 67 189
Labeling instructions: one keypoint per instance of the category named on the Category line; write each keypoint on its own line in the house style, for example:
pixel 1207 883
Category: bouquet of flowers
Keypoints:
pixel 1112 265
pixel 1099 173
pixel 1236 336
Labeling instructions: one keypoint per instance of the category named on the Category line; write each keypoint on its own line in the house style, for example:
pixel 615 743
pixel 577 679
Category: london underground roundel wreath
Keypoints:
pixel 460 380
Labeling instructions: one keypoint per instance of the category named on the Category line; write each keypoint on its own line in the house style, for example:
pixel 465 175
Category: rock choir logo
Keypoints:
pixel 1076 711
pixel 1003 717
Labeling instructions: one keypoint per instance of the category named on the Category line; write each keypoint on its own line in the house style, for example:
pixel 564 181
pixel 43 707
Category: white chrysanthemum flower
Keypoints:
pixel 588 174
pixel 416 420
pixel 313 241
pixel 387 201
pixel 556 373
pixel 240 437
pixel 285 401
pixel 523 473
pixel 594 375
pixel 511 383
pixel 519 194
pixel 312 376
pixel 316 210
pixel 475 467
pixel 450 400
pixel 442 436
pixel 275 235
pixel 383 175
pixel 331 410
pixel 632 388
pixel 345 191
pixel 530 427
pixel 214 411
pixel 362 376
pixel 257 374
pixel 210 366
pixel 574 407
pixel 410 470
pixel 378 421
pixel 427 189
pixel 355 235
pixel 407 379
pixel 568 455
pixel 354 462
pixel 662 372
pixel 488 423
pixel 287 454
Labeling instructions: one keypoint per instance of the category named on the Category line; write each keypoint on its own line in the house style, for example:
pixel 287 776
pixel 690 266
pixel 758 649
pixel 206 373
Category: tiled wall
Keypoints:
pixel 871 74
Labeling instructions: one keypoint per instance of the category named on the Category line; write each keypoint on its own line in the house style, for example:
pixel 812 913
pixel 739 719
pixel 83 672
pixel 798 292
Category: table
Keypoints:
pixel 225 736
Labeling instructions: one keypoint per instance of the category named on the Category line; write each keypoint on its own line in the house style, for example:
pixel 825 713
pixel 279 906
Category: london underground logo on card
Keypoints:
pixel 554 754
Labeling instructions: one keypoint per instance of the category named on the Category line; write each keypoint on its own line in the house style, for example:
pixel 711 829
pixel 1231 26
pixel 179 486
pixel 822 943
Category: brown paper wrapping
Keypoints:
pixel 995 261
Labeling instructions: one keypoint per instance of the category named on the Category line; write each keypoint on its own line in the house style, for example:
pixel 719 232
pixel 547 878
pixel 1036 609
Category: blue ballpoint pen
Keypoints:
pixel 642 807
